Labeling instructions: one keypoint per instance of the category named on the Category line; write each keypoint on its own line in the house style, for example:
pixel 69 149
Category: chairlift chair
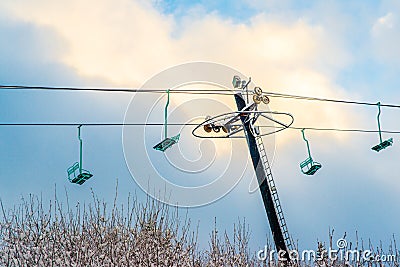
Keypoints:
pixel 309 166
pixel 383 144
pixel 76 174
pixel 168 141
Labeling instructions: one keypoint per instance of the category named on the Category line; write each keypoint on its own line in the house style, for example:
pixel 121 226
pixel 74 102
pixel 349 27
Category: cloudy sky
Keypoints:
pixel 335 49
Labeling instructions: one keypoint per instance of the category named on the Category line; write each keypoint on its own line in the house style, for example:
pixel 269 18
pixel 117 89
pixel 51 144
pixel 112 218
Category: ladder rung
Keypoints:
pixel 274 194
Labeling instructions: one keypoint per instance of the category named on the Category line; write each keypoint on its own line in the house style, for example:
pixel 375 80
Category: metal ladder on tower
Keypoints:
pixel 274 192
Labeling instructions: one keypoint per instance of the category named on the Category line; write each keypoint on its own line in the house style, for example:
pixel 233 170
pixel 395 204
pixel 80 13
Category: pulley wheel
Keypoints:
pixel 258 90
pixel 265 99
pixel 257 99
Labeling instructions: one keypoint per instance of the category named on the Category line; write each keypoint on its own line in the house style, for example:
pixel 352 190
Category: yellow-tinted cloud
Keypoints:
pixel 126 42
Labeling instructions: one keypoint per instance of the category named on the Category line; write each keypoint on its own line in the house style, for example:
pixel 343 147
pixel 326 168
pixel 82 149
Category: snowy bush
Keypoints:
pixel 137 234
pixel 149 234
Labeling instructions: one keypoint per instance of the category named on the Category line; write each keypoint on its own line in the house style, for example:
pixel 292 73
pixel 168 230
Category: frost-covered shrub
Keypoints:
pixel 137 234
pixel 148 234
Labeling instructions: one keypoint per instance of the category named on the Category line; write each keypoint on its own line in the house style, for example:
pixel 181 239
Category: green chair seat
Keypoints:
pixel 309 166
pixel 167 143
pixel 81 178
pixel 383 145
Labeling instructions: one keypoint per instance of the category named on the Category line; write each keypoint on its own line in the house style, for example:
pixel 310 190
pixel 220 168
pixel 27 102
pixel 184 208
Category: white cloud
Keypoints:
pixel 128 41
pixel 385 35
pixel 119 41
pixel 386 21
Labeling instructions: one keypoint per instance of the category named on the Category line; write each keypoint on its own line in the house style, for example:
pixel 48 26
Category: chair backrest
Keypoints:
pixel 307 162
pixel 72 170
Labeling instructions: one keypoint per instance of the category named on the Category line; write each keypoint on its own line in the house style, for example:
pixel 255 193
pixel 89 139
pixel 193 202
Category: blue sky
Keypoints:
pixel 338 49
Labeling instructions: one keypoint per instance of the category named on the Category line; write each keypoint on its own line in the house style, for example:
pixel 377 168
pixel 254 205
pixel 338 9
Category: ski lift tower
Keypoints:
pixel 265 179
